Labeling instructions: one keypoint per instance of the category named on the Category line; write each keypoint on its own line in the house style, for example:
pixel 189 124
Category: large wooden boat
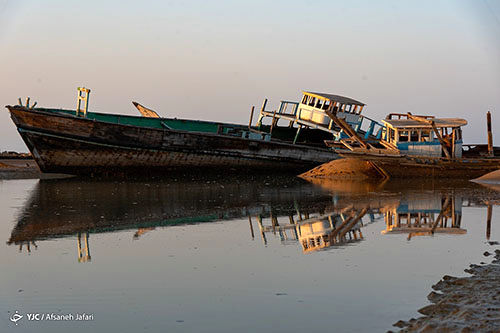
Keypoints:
pixel 417 146
pixel 83 142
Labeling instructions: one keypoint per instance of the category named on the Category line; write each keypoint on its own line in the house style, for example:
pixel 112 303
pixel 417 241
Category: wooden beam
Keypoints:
pixel 251 226
pixel 263 108
pixel 453 139
pixel 380 170
pixel 347 129
pixel 261 228
pixel 334 233
pixel 273 122
pixel 388 145
pixel 447 203
pixel 490 135
pixel 434 128
pixel 352 223
pixel 148 113
pixel 251 117
pixel 488 221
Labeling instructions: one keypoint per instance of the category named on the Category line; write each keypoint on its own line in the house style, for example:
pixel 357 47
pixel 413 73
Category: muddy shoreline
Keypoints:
pixel 22 168
pixel 462 304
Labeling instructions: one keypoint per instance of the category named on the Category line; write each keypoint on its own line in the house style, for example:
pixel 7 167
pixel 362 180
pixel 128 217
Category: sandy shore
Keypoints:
pixel 491 180
pixel 462 304
pixel 344 168
pixel 492 177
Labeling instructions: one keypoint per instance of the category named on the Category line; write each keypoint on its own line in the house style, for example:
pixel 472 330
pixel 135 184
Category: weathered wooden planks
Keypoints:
pixel 68 144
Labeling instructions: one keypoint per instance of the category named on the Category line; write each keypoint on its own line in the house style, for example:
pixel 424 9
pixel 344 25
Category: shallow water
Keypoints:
pixel 271 255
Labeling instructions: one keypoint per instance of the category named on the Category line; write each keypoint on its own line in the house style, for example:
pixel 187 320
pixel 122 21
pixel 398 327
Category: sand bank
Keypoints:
pixel 462 304
pixel 344 168
pixel 489 178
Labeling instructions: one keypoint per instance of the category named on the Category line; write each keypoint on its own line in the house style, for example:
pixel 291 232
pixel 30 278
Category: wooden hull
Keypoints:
pixel 404 166
pixel 67 144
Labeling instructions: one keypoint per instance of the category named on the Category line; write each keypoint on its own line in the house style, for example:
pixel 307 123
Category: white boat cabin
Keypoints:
pixel 311 112
pixel 313 105
pixel 424 135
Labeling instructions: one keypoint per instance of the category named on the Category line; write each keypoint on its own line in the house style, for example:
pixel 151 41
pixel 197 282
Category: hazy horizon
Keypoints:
pixel 214 60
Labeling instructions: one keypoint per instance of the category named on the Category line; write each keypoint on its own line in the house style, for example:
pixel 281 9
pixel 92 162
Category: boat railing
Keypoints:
pixel 288 106
pixel 405 116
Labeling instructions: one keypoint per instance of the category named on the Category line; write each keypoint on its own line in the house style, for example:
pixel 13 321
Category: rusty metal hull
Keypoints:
pixel 63 143
pixel 404 166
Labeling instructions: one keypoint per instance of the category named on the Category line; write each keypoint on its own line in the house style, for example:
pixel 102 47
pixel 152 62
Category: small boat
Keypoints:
pixel 83 142
pixel 417 146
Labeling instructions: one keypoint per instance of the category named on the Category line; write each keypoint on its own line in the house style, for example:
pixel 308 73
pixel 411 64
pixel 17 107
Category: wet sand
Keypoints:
pixel 462 304
pixel 492 177
pixel 344 168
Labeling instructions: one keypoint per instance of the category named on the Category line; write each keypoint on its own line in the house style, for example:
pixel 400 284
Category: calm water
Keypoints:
pixel 226 256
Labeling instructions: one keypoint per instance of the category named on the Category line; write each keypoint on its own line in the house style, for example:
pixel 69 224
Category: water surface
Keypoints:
pixel 272 255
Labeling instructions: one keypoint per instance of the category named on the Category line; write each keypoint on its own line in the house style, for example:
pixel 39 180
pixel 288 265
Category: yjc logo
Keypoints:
pixel 16 317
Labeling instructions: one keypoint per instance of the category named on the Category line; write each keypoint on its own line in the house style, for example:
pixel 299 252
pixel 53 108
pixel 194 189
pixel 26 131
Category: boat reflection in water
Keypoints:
pixel 315 216
pixel 73 207
pixel 415 209
pixel 319 232
pixel 425 216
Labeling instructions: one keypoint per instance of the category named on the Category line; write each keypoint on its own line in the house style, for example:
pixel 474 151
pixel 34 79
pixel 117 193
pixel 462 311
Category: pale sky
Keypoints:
pixel 213 60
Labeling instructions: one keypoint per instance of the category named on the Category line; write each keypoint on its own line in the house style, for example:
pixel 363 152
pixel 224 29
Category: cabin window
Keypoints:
pixel 414 136
pixel 447 134
pixel 312 101
pixel 304 99
pixel 319 104
pixel 326 106
pixel 403 136
pixel 425 136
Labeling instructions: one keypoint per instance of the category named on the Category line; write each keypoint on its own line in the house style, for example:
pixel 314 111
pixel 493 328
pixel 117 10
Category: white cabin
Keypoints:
pixel 313 105
pixel 424 135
